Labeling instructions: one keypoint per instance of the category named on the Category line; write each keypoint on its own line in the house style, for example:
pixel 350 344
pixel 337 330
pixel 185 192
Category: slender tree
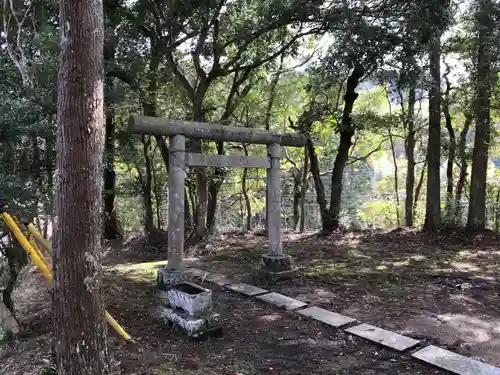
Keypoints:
pixel 433 208
pixel 80 341
pixel 485 25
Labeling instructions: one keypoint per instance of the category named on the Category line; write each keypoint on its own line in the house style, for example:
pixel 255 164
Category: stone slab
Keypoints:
pixel 281 300
pixel 196 272
pixel 325 316
pixel 247 289
pixel 456 363
pixel 216 278
pixel 381 336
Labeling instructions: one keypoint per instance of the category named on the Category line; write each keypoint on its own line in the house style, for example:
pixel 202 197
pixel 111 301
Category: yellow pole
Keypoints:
pixel 48 275
pixel 40 253
pixel 37 249
pixel 38 236
pixel 21 238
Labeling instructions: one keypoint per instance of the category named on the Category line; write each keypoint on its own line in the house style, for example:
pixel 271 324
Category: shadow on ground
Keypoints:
pixel 258 339
pixel 442 289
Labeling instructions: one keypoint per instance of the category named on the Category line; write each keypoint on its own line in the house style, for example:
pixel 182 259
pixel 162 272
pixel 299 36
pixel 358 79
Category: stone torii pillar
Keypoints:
pixel 275 264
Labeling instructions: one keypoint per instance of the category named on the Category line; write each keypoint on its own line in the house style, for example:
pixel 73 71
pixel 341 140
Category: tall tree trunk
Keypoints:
pixel 111 225
pixel 450 219
pixel 462 144
pixel 213 190
pixel 80 332
pixel 476 219
pixel 410 156
pixel 396 186
pixel 157 192
pixel 433 202
pixel 326 219
pixel 305 172
pixel 346 133
pixel 244 190
pixel 297 181
pixel 418 189
pixel 147 187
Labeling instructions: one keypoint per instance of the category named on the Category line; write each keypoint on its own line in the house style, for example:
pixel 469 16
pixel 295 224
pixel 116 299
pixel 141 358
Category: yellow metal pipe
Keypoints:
pixel 117 327
pixel 21 238
pixel 37 249
pixel 38 236
pixel 111 321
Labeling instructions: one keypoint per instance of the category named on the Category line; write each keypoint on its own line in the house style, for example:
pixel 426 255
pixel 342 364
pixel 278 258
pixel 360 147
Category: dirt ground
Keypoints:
pixel 441 291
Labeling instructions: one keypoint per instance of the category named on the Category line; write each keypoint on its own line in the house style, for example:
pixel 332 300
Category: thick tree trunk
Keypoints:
pixel 346 134
pixel 80 332
pixel 433 202
pixel 462 144
pixel 476 219
pixel 410 156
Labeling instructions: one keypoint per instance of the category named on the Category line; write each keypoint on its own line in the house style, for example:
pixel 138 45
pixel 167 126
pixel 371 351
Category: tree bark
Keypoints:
pixel 476 219
pixel 418 189
pixel 410 156
pixel 450 219
pixel 433 202
pixel 346 133
pixel 80 332
pixel 244 190
pixel 111 225
pixel 319 187
pixel 146 178
pixel 463 167
pixel 396 186
pixel 305 172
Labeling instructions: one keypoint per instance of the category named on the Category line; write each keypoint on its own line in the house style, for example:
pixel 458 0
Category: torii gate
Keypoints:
pixel 275 264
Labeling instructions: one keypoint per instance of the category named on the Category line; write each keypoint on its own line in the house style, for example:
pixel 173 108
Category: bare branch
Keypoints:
pixel 365 157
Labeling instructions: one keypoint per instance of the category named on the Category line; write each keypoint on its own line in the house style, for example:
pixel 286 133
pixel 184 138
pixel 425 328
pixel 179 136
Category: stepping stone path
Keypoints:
pixel 381 336
pixel 196 272
pixel 218 279
pixel 282 301
pixel 247 289
pixel 431 354
pixel 325 316
pixel 454 362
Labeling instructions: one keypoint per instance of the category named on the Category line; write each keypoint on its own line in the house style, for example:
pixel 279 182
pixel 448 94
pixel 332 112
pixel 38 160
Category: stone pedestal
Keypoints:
pixel 187 307
pixel 277 267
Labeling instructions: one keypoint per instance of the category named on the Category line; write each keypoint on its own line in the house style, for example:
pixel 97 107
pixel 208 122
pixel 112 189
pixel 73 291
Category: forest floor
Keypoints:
pixel 442 290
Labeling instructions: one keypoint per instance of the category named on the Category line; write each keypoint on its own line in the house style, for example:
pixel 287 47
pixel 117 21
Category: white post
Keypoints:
pixel 274 200
pixel 176 196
